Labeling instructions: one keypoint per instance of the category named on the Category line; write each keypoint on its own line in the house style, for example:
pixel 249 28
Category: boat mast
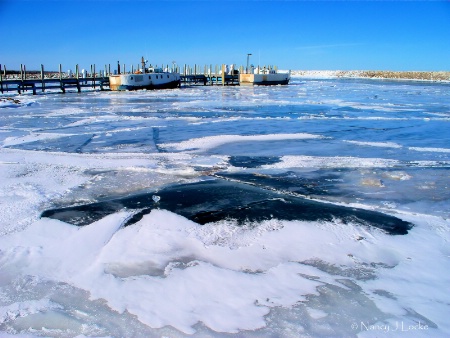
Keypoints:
pixel 143 65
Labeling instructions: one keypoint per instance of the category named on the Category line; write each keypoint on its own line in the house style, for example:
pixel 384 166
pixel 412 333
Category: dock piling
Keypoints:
pixel 61 84
pixel 42 78
pixel 223 74
pixel 93 77
pixel 78 78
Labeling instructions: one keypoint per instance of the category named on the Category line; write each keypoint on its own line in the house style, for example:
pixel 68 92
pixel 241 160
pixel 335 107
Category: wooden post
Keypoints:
pixel 42 78
pixel 223 74
pixel 209 74
pixel 1 79
pixel 205 72
pixel 21 76
pixel 90 75
pixel 93 76
pixel 6 76
pixel 61 83
pixel 78 78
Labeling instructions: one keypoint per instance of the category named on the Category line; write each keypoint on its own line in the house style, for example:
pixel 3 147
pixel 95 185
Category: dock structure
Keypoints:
pixel 209 76
pixel 21 81
pixel 40 81
pixel 210 79
pixel 34 81
pixel 52 83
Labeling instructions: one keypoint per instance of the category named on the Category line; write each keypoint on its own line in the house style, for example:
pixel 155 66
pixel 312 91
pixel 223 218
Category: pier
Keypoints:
pixel 22 81
pixel 41 80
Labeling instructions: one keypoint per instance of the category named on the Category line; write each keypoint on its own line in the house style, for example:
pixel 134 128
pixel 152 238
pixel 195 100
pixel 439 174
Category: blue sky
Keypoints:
pixel 327 35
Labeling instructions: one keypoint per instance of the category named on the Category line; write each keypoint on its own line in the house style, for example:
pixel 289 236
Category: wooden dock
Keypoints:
pixel 210 79
pixel 35 85
pixel 40 81
pixel 21 81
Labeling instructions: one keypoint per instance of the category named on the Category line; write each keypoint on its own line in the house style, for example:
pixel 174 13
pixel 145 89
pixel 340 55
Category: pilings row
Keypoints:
pixel 22 80
pixel 41 80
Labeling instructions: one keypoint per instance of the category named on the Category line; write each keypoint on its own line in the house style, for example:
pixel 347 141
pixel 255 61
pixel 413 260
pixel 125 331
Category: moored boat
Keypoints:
pixel 265 76
pixel 145 78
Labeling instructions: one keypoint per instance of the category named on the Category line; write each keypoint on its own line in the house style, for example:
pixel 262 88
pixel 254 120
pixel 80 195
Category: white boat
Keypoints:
pixel 145 78
pixel 264 76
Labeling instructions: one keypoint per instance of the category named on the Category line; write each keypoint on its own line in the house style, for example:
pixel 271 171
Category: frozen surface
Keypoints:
pixel 351 145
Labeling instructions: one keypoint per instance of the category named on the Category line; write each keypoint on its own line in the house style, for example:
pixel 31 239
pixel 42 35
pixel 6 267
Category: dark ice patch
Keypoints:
pixel 253 161
pixel 215 200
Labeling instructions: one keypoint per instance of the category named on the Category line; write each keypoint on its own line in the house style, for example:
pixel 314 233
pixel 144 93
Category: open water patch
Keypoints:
pixel 215 200
pixel 253 161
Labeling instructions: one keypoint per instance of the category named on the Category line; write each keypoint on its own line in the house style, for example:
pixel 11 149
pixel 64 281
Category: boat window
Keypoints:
pixel 149 77
pixel 167 75
pixel 131 78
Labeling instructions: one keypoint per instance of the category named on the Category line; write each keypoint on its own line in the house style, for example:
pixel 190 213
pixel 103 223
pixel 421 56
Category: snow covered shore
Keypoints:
pixel 375 74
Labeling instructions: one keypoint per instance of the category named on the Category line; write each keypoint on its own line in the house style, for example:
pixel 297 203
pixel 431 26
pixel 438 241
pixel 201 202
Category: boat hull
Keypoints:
pixel 144 81
pixel 264 79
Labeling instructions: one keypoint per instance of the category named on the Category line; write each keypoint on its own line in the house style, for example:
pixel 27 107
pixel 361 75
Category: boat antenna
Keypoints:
pixel 143 64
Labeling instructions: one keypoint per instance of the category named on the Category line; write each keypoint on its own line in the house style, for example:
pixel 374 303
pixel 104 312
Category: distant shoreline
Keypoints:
pixel 441 76
pixel 433 76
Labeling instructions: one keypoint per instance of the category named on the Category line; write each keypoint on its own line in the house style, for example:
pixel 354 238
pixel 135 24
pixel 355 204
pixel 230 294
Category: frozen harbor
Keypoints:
pixel 315 209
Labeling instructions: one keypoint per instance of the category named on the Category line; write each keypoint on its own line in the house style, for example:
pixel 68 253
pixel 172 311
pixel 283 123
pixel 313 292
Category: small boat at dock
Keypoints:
pixel 264 77
pixel 145 78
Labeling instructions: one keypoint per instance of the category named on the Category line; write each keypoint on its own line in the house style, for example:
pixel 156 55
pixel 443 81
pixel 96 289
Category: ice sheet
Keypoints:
pixel 380 146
